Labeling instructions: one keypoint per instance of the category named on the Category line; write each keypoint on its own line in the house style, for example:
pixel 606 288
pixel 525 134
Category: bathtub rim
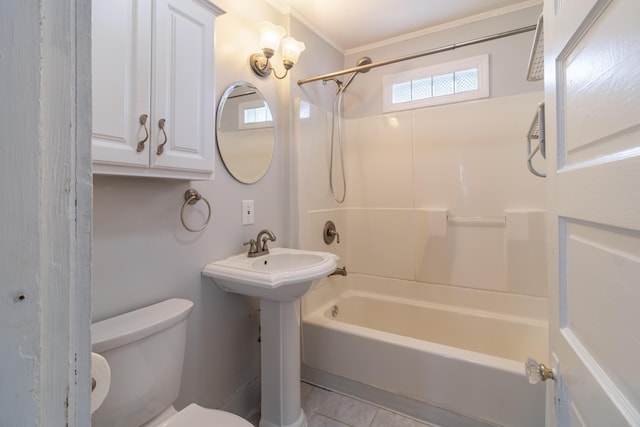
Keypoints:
pixel 509 304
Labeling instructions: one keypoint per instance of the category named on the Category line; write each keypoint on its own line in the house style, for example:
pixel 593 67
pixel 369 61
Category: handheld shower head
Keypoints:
pixel 365 60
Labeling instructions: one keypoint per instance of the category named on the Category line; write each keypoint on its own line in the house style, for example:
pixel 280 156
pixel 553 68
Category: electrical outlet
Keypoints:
pixel 247 212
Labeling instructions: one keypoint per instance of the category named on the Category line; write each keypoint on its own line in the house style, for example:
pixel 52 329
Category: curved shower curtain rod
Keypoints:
pixel 367 67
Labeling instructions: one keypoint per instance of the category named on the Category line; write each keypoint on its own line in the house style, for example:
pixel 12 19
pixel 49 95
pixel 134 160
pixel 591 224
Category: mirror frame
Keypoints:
pixel 235 170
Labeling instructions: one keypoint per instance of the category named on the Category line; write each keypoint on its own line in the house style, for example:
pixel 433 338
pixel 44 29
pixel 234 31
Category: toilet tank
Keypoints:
pixel 145 351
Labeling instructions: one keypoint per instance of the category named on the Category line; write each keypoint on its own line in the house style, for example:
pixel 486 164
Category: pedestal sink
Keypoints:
pixel 278 279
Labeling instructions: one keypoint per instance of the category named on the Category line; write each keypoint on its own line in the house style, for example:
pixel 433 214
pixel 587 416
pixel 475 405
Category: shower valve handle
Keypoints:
pixel 330 233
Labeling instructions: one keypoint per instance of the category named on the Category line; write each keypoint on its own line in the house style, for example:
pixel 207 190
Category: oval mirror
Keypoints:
pixel 245 133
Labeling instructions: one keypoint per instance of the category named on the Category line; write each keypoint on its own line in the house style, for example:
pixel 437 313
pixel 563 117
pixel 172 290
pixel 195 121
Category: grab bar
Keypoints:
pixel 477 220
pixel 536 131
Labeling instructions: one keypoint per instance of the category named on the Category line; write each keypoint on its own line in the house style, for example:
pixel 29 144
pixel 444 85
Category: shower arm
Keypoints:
pixel 367 67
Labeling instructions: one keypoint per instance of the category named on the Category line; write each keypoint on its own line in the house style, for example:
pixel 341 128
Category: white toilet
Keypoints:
pixel 145 351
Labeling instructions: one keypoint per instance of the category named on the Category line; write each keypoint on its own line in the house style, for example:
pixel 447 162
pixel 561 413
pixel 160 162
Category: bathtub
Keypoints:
pixel 449 356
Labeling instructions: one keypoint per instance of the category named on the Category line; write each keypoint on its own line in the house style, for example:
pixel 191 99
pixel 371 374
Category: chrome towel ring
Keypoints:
pixel 191 197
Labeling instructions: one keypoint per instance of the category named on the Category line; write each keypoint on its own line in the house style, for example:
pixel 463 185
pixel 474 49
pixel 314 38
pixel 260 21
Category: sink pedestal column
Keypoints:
pixel 280 364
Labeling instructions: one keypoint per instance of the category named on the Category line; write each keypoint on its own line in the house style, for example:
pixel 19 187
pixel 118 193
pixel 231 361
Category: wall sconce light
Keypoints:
pixel 270 36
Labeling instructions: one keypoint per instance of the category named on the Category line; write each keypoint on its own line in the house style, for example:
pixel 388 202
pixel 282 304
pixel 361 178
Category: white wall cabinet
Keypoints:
pixel 153 62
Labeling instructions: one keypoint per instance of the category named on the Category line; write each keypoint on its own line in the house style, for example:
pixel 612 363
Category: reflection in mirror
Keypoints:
pixel 245 132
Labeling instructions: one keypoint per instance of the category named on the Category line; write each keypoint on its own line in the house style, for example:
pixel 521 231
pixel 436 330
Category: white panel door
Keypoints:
pixel 121 61
pixel 592 95
pixel 183 94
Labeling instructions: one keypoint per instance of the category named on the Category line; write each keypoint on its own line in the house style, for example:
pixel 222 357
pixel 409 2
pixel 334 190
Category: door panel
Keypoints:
pixel 592 93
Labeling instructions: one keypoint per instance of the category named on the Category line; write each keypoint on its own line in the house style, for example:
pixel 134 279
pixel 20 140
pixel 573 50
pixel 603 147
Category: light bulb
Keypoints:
pixel 291 49
pixel 270 36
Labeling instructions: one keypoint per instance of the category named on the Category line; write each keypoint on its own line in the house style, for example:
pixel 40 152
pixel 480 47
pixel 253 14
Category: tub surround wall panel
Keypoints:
pixel 439 195
pixel 311 128
pixel 471 157
pixel 379 242
pixel 313 156
pixel 477 256
pixel 526 260
pixel 431 240
pixel 378 156
pixel 316 221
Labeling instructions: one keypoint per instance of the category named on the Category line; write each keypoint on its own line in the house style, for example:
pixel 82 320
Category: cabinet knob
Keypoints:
pixel 143 122
pixel 161 146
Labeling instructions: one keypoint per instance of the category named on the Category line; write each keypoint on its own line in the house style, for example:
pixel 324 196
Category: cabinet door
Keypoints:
pixel 183 93
pixel 121 59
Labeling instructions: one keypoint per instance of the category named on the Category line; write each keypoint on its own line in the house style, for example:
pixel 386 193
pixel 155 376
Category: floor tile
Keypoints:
pixel 313 397
pixel 325 408
pixel 318 420
pixel 386 418
pixel 345 409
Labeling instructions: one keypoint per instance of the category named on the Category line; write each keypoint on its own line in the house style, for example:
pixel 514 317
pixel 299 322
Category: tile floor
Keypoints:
pixel 326 408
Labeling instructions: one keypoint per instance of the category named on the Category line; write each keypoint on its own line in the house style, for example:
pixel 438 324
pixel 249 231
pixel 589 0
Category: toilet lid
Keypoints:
pixel 197 416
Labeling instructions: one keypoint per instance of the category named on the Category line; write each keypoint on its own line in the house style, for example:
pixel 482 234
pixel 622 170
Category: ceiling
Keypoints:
pixel 351 24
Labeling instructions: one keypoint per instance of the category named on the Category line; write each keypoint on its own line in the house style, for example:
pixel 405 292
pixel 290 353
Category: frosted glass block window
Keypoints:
pixel 401 92
pixel 439 84
pixel 466 80
pixel 443 85
pixel 421 88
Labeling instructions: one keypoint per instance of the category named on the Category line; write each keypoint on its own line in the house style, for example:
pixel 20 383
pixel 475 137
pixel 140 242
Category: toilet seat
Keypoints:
pixel 197 416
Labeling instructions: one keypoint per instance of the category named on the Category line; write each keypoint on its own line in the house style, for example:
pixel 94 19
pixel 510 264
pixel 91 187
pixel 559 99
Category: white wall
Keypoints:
pixel 142 254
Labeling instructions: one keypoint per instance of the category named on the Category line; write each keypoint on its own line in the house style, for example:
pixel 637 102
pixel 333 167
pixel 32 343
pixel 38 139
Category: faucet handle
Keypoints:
pixel 253 246
pixel 264 247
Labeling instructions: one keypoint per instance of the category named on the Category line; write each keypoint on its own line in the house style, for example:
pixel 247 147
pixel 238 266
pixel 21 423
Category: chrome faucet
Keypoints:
pixel 259 246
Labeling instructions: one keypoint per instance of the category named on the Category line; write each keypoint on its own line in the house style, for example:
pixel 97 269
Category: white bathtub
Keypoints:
pixel 408 345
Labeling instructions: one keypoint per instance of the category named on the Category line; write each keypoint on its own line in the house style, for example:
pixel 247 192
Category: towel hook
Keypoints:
pixel 191 197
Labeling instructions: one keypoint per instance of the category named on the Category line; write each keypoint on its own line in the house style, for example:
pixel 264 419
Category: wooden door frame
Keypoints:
pixel 46 192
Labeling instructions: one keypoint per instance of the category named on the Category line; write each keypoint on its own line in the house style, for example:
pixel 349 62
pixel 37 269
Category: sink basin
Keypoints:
pixel 282 275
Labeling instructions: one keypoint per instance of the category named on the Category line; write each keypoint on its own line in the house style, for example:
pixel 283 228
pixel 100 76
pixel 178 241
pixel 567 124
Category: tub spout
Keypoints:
pixel 340 271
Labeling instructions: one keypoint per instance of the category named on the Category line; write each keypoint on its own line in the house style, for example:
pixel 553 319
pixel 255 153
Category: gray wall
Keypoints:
pixel 507 60
pixel 143 255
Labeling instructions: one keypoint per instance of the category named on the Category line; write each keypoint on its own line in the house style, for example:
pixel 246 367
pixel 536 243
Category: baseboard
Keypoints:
pixel 245 402
pixel 413 408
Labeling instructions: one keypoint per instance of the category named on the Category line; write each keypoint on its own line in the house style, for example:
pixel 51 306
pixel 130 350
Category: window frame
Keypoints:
pixel 480 62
